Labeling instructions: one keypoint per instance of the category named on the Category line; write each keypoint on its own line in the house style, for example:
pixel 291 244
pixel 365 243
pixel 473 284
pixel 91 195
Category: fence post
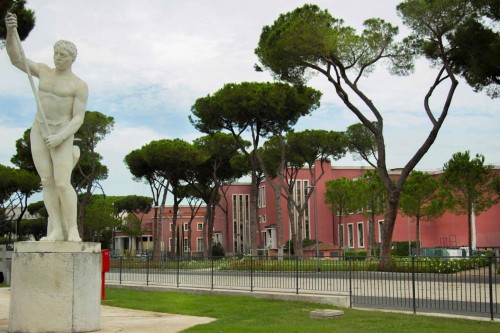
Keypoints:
pixel 490 282
pixel 297 275
pixel 147 270
pixel 251 273
pixel 212 275
pixel 350 282
pixel 413 283
pixel 121 268
pixel 178 259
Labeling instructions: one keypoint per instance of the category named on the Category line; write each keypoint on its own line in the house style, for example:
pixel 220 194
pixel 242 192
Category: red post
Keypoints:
pixel 105 268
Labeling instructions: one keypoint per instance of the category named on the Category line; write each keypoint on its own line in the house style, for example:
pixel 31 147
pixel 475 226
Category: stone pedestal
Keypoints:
pixel 56 287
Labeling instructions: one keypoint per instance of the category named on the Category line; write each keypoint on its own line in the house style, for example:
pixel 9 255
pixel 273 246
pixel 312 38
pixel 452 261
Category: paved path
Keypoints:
pixel 122 320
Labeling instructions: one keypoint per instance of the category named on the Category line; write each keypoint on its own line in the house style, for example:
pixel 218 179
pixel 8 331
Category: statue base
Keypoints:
pixel 56 287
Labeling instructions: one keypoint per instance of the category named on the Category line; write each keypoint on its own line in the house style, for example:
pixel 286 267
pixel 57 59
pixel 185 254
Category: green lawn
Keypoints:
pixel 247 314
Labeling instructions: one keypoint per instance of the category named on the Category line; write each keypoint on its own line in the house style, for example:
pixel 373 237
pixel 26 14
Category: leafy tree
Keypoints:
pixel 340 196
pixel 142 170
pixel 258 108
pixel 36 227
pixel 165 165
pixel 309 40
pixel 471 42
pixel 218 169
pixel 304 150
pixel 100 219
pixel 90 170
pixel 471 184
pixel 23 158
pixel 25 18
pixel 135 206
pixel 361 143
pixel 16 186
pixel 421 199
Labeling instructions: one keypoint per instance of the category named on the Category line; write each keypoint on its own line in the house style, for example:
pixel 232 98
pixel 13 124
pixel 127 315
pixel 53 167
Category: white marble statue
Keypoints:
pixel 61 101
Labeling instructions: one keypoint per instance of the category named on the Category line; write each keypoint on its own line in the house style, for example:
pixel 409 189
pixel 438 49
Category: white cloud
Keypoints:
pixel 9 134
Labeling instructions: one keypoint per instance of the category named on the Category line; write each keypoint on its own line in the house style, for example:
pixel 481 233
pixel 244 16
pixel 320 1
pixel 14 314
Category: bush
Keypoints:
pixel 218 250
pixel 355 255
pixel 400 249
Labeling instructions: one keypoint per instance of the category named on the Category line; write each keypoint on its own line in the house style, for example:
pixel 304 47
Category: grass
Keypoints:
pixel 248 314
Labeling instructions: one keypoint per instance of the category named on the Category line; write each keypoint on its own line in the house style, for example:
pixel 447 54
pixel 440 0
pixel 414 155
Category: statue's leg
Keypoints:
pixel 43 164
pixel 62 157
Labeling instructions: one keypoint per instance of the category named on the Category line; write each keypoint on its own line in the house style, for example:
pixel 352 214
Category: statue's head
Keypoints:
pixel 67 46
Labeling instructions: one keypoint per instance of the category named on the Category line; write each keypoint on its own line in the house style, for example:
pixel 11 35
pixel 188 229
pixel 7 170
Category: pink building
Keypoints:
pixel 232 225
pixel 446 231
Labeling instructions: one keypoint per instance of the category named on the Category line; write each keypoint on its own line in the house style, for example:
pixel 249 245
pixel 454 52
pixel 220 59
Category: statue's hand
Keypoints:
pixel 53 141
pixel 11 21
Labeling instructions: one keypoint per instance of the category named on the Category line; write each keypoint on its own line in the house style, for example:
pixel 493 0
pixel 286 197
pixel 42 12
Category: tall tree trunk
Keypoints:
pixel 391 213
pixel 291 214
pixel 279 224
pixel 300 230
pixel 371 237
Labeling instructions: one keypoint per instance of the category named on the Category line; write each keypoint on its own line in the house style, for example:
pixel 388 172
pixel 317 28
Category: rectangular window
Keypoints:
pixel 263 196
pixel 170 244
pixel 380 227
pixel 350 235
pixel 186 226
pixel 171 226
pixel 186 244
pixel 361 235
pixel 199 226
pixel 199 244
pixel 341 236
pixel 217 237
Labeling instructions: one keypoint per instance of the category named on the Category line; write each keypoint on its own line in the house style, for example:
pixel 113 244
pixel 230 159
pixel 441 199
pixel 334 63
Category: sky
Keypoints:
pixel 146 63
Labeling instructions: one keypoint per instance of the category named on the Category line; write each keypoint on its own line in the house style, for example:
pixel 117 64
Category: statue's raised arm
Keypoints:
pixel 12 46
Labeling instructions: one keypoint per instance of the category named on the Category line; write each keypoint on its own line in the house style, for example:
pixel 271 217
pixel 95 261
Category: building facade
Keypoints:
pixel 232 221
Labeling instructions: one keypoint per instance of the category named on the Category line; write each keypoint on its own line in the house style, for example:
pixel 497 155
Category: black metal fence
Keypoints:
pixel 467 286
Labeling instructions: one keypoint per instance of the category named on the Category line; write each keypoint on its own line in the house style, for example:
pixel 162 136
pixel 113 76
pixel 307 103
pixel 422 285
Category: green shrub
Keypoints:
pixel 218 250
pixel 400 249
pixel 355 255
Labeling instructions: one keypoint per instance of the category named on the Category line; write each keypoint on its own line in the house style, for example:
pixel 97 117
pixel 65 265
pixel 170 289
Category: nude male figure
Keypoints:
pixel 63 97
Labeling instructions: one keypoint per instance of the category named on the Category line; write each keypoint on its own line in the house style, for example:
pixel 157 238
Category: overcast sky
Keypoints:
pixel 146 62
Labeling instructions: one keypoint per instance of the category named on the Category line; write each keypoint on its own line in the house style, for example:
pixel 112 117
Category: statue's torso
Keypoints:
pixel 57 94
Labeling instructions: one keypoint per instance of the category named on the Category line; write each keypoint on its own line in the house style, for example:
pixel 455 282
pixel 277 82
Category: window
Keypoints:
pixel 380 226
pixel 350 235
pixel 199 226
pixel 171 226
pixel 261 200
pixel 341 235
pixel 186 226
pixel 361 235
pixel 170 244
pixel 262 218
pixel 199 244
pixel 186 244
pixel 217 237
